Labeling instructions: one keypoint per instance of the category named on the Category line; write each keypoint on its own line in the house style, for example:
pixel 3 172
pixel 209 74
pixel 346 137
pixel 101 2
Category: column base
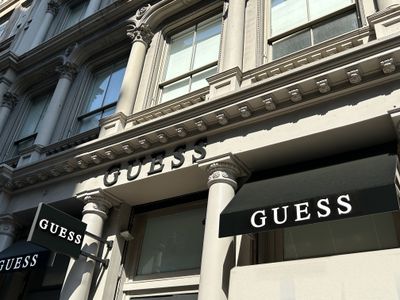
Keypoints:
pixel 112 124
pixel 225 82
pixel 385 22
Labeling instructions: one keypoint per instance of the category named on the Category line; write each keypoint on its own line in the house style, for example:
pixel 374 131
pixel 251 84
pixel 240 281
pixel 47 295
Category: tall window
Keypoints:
pixel 103 96
pixel 192 57
pixel 30 126
pixel 76 13
pixel 172 241
pixel 297 24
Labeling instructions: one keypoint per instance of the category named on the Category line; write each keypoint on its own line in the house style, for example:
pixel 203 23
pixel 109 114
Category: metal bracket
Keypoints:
pixel 108 243
pixel 104 262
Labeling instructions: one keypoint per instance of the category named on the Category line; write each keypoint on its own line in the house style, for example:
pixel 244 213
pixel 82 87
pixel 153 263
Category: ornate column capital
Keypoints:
pixel 224 169
pixel 138 30
pixel 8 225
pixel 52 7
pixel 67 70
pixel 10 100
pixel 97 202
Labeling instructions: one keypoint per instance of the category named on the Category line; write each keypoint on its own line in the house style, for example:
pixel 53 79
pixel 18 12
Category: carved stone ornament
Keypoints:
pixel 10 100
pixel 354 76
pixel 323 86
pixel 388 66
pixel 223 172
pixel 53 7
pixel 295 95
pixel 67 70
pixel 138 31
pixel 96 204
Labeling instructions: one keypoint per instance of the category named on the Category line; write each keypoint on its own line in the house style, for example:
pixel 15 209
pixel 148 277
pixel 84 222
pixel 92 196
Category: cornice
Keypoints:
pixel 267 98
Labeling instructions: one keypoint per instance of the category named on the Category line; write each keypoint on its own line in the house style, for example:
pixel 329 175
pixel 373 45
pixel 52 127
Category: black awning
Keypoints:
pixel 23 256
pixel 337 189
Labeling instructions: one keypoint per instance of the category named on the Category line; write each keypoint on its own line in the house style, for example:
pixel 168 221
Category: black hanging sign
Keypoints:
pixel 57 231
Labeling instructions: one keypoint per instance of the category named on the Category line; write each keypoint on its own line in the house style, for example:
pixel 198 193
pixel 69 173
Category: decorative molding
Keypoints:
pixel 244 111
pixel 10 100
pixel 52 7
pixel 162 137
pixel 201 125
pixel 388 66
pixel 295 95
pixel 67 70
pixel 354 76
pixel 222 119
pixel 269 104
pixel 181 132
pixel 144 143
pixel 137 30
pixel 323 86
pixel 127 148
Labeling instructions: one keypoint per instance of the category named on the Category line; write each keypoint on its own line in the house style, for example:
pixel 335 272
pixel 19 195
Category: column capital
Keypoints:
pixel 97 202
pixel 225 169
pixel 8 225
pixel 138 30
pixel 67 70
pixel 10 100
pixel 52 7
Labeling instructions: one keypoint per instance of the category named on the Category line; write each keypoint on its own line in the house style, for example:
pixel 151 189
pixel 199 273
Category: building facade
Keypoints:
pixel 229 149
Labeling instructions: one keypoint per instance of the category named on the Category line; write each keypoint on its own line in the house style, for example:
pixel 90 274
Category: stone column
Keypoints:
pixel 50 119
pixel 218 256
pixel 52 10
pixel 232 53
pixel 8 228
pixel 92 7
pixel 140 35
pixel 79 275
pixel 6 106
pixel 383 4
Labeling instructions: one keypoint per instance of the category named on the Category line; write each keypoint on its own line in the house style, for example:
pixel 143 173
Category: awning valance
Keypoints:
pixel 339 188
pixel 22 256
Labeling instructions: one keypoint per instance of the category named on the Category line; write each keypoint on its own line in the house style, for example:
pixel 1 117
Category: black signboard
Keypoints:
pixel 57 231
pixel 23 256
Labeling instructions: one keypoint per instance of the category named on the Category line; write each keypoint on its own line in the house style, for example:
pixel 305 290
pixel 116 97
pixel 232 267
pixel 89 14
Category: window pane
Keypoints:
pixel 98 91
pixel 180 55
pixel 175 90
pixel 335 27
pixel 114 86
pixel 108 112
pixel 35 114
pixel 366 233
pixel 3 27
pixel 320 8
pixel 207 44
pixel 172 242
pixel 76 14
pixel 199 80
pixel 287 14
pixel 291 44
pixel 89 122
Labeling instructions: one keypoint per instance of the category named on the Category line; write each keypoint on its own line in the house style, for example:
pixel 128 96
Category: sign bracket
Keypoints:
pixel 109 244
pixel 104 262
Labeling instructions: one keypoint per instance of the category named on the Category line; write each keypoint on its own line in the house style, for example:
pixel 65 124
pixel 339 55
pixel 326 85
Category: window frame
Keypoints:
pixel 177 29
pixel 308 26
pixel 94 72
pixel 134 247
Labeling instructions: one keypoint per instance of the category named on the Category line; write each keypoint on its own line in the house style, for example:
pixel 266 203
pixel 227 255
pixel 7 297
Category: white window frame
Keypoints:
pixel 307 26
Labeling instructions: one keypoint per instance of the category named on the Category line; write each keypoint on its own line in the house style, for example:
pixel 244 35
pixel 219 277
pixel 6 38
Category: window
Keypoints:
pixel 28 131
pixel 192 57
pixel 172 241
pixel 103 96
pixel 75 14
pixel 367 233
pixel 297 24
pixel 3 25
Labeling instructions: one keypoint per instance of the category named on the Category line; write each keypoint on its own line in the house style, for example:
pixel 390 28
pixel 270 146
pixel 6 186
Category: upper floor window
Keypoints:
pixel 3 25
pixel 102 96
pixel 297 24
pixel 192 57
pixel 75 14
pixel 28 131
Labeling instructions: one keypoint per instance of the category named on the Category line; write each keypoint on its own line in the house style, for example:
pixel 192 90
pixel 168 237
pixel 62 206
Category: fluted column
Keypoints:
pixel 232 54
pixel 6 106
pixel 8 228
pixel 383 4
pixel 79 275
pixel 52 10
pixel 218 255
pixel 67 72
pixel 92 7
pixel 140 35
